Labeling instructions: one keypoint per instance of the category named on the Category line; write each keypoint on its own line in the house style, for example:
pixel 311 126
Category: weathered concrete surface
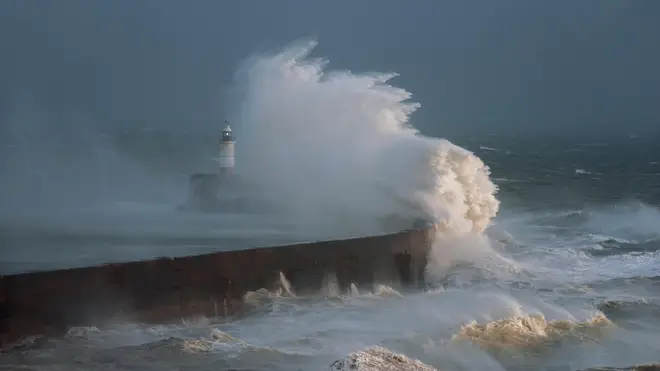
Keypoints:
pixel 162 290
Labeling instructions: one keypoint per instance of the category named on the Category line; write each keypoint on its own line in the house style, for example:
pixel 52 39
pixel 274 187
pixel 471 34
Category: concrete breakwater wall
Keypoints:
pixel 168 289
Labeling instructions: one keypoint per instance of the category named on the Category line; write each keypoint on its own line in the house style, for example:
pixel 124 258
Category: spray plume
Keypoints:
pixel 336 150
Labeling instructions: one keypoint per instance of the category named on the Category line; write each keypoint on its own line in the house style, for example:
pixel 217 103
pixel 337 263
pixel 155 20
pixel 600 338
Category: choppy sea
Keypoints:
pixel 568 279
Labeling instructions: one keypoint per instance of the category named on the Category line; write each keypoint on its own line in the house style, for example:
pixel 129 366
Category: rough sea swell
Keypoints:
pixel 542 288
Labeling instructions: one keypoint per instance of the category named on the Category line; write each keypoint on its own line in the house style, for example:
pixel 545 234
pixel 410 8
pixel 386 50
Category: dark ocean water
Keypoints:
pixel 567 278
pixel 578 171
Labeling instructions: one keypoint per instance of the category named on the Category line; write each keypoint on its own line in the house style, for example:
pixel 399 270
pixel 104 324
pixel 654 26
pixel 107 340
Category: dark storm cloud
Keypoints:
pixel 474 65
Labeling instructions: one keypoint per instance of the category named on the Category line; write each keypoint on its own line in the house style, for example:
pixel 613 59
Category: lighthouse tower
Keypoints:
pixel 205 187
pixel 226 157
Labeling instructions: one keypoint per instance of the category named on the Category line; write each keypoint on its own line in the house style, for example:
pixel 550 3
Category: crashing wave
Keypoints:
pixel 336 150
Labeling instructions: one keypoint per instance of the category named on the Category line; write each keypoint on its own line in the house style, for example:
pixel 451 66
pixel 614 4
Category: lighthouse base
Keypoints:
pixel 204 191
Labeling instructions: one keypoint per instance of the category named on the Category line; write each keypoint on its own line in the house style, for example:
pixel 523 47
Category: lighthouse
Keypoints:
pixel 226 157
pixel 205 187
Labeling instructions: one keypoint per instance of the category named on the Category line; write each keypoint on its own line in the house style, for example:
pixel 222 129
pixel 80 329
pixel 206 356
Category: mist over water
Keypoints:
pixel 54 164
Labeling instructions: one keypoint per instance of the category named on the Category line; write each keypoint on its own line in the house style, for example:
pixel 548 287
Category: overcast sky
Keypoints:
pixel 492 66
